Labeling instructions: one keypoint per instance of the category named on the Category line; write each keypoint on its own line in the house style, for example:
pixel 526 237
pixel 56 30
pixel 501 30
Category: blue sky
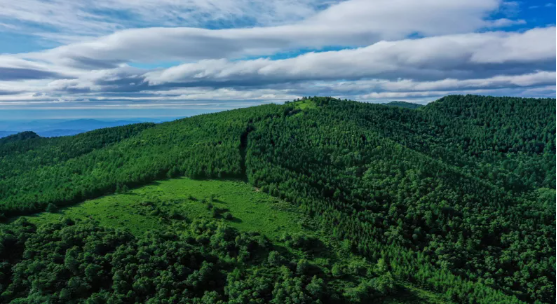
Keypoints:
pixel 144 58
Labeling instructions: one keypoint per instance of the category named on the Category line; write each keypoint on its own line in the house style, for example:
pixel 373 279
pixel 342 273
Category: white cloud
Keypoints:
pixel 534 44
pixel 58 14
pixel 227 94
pixel 428 96
pixel 199 12
pixel 349 23
pixel 434 57
pixel 419 88
pixel 412 66
pixel 538 84
pixel 504 22
pixel 98 17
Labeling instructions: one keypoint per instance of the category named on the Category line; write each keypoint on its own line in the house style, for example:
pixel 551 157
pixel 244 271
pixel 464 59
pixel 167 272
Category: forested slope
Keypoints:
pixel 175 251
pixel 457 196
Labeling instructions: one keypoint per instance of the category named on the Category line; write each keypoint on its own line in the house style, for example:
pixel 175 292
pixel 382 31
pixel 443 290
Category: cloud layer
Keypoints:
pixel 167 53
pixel 458 56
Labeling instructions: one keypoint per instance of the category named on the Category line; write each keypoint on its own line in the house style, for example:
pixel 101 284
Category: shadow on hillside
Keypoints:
pixel 235 220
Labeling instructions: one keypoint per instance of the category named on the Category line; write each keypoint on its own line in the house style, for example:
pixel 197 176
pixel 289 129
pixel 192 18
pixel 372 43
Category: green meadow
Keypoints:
pixel 166 203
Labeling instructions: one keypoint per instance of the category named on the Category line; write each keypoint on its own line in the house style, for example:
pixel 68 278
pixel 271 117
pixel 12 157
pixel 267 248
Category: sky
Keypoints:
pixel 155 58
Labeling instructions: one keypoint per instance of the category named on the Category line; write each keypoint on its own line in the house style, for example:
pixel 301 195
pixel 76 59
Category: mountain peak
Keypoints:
pixel 19 136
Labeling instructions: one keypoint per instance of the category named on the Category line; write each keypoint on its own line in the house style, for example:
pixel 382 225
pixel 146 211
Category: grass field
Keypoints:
pixel 140 210
pixel 305 104
pixel 168 203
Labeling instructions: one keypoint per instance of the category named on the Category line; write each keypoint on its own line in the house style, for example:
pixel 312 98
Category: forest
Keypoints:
pixel 456 197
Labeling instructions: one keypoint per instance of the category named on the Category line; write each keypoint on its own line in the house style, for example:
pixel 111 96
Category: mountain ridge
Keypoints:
pixel 403 104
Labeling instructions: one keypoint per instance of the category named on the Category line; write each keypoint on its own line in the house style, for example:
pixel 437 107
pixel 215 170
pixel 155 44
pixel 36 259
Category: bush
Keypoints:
pixel 175 215
pixel 275 259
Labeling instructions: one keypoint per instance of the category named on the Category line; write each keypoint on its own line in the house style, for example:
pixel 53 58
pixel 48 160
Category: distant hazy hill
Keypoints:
pixel 403 104
pixel 57 127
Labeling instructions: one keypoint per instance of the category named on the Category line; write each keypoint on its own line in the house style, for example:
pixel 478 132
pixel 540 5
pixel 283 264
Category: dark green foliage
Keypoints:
pixel 457 196
pixel 51 208
pixel 69 262
pixel 219 212
pixel 409 206
pixel 300 241
pixel 18 137
pixel 403 104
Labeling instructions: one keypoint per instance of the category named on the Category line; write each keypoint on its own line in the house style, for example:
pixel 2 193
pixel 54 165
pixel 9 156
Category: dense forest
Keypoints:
pixel 457 197
pixel 207 262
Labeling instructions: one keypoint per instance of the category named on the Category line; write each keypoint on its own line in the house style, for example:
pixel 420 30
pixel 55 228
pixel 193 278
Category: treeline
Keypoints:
pixel 457 196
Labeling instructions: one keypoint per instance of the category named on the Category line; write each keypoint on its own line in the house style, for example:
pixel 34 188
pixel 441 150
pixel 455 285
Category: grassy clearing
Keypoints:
pixel 140 210
pixel 305 104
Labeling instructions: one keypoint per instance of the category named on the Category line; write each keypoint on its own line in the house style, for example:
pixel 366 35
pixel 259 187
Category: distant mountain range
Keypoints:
pixel 62 127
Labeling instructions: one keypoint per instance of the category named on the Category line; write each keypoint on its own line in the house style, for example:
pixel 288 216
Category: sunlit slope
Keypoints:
pixel 161 204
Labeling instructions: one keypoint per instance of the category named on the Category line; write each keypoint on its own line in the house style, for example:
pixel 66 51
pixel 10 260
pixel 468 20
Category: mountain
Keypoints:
pixel 18 137
pixel 455 198
pixel 61 127
pixel 403 104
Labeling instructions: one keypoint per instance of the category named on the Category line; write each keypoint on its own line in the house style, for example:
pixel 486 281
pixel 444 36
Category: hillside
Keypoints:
pixel 171 206
pixel 18 137
pixel 456 197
